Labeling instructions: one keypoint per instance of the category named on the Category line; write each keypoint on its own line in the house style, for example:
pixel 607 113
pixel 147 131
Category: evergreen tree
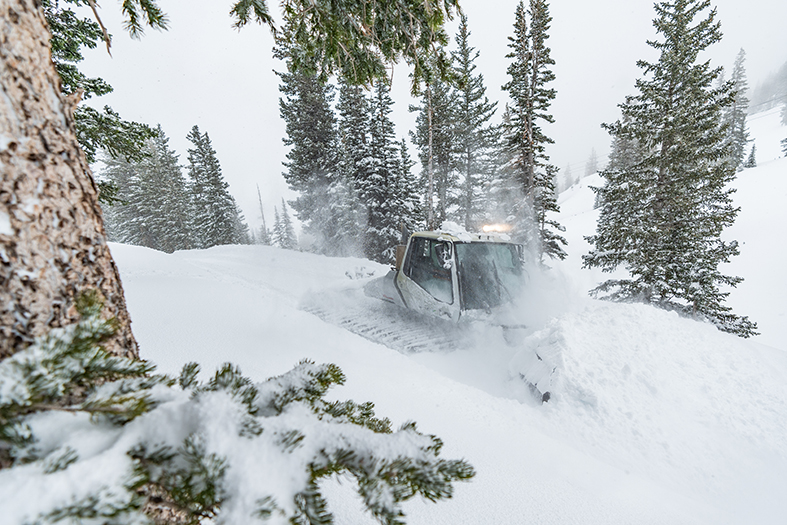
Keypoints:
pixel 283 230
pixel 751 162
pixel 241 232
pixel 525 142
pixel 277 234
pixel 354 167
pixel 264 235
pixel 350 215
pixel 170 200
pixel 435 140
pixel 96 130
pixel 661 218
pixel 215 219
pixel 473 136
pixel 411 215
pixel 771 92
pixel 504 191
pixel 126 223
pixel 313 160
pixel 568 177
pixel 357 40
pixel 379 192
pixel 625 153
pixel 354 125
pixel 155 210
pixel 784 146
pixel 735 115
pixel 405 208
pixel 591 166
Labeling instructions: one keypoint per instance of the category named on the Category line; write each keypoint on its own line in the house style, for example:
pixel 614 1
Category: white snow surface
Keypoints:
pixel 654 419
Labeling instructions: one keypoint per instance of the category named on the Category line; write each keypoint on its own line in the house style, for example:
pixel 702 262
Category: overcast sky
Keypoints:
pixel 204 72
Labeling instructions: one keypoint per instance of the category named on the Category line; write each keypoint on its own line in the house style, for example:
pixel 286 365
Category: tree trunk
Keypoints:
pixel 430 222
pixel 53 247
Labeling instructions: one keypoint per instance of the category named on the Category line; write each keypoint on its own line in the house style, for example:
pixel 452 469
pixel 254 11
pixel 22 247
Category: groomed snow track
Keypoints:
pixel 385 323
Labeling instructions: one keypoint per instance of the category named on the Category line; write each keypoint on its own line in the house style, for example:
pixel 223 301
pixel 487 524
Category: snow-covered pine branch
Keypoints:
pixel 89 437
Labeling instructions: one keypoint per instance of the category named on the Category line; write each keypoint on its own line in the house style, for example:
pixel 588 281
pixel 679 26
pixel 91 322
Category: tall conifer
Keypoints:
pixel 662 217
pixel 215 214
pixel 504 190
pixel 434 137
pixel 405 211
pixel 154 208
pixel 625 152
pixel 313 160
pixel 127 223
pixel 283 230
pixel 354 166
pixel 591 166
pixel 379 191
pixel 751 162
pixel 276 234
pixel 264 235
pixel 568 178
pixel 735 114
pixel 473 136
pixel 524 138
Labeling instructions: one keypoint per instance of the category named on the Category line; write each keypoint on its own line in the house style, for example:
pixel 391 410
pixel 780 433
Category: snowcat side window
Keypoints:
pixel 429 266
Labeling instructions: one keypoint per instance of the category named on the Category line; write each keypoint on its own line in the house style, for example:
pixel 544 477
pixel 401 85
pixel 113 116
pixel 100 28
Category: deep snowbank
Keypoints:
pixel 668 397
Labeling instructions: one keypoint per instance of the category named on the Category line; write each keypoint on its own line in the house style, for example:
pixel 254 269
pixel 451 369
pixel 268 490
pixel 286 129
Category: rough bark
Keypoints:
pixel 52 242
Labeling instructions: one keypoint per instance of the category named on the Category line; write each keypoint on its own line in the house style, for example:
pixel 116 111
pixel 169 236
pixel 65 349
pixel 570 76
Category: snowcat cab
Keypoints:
pixel 453 274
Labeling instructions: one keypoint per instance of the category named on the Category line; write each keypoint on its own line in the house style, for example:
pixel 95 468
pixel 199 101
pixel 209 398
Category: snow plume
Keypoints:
pixel 547 294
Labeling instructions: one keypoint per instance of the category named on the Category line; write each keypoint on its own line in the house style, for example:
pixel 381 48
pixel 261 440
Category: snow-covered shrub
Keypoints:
pixel 86 437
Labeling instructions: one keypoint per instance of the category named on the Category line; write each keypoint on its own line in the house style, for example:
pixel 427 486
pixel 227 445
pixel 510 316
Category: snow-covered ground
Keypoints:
pixel 654 419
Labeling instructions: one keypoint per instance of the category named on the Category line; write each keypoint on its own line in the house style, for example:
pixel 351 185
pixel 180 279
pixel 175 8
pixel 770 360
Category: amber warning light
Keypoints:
pixel 496 228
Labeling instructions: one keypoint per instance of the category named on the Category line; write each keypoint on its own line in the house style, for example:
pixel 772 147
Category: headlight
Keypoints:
pixel 496 228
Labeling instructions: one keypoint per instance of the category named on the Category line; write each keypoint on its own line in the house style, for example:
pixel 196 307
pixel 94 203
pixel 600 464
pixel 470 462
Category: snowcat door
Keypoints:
pixel 490 274
pixel 428 278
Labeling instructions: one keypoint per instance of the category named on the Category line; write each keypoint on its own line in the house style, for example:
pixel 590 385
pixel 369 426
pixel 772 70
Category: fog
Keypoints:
pixel 204 72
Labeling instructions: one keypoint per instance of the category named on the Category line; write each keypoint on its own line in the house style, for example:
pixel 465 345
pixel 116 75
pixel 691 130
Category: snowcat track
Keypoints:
pixel 385 323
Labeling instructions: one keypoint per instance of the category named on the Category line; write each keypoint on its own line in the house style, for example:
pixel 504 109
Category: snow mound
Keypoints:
pixel 456 230
pixel 668 397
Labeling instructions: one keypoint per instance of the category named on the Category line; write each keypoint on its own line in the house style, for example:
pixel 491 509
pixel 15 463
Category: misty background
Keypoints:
pixel 204 72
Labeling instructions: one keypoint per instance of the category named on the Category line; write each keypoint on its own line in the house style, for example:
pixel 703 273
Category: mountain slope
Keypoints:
pixel 654 419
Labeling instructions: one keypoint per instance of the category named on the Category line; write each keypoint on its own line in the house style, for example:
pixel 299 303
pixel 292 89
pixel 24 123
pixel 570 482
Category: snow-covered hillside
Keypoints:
pixel 654 419
pixel 761 193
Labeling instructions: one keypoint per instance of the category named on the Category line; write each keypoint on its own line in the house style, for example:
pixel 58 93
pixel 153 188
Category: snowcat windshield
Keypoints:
pixel 490 274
